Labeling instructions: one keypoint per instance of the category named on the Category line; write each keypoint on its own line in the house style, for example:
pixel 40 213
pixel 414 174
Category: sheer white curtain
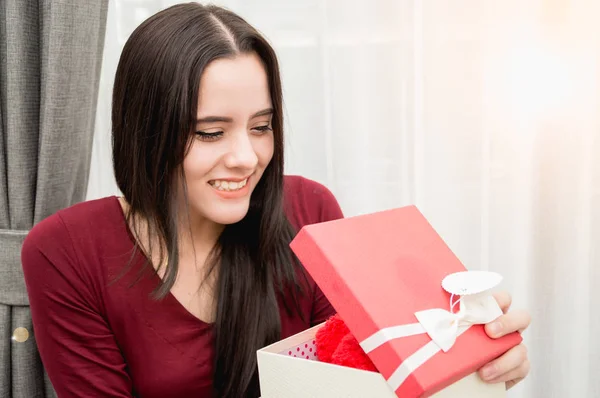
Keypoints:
pixel 484 114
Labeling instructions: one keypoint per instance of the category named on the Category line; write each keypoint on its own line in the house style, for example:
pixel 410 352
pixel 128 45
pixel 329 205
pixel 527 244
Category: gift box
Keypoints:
pixel 415 309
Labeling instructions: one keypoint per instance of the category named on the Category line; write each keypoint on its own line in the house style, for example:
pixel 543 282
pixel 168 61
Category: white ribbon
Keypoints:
pixel 442 326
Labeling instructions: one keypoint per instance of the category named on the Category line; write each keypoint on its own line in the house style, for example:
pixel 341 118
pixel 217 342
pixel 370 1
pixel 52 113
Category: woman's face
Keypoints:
pixel 234 141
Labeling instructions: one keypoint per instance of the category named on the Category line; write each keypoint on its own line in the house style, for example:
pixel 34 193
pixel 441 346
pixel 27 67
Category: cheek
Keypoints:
pixel 198 162
pixel 264 148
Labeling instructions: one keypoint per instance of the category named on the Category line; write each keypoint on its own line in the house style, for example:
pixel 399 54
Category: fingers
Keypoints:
pixel 504 300
pixel 514 376
pixel 511 383
pixel 514 321
pixel 513 365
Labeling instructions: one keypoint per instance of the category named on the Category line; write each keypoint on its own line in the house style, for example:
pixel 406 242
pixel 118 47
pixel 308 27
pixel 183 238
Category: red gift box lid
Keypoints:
pixel 377 270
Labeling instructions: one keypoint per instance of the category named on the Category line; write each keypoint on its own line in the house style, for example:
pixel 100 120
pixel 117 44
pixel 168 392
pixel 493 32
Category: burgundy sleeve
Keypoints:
pixel 329 210
pixel 76 345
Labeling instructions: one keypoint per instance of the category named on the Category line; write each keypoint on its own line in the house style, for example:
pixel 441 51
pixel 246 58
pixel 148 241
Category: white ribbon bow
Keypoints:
pixel 477 306
pixel 443 326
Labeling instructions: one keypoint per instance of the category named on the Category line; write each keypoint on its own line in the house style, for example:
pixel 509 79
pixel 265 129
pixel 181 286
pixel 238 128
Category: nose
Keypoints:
pixel 241 154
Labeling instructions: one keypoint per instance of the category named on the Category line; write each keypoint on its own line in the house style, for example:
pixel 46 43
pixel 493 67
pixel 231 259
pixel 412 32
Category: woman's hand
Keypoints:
pixel 513 366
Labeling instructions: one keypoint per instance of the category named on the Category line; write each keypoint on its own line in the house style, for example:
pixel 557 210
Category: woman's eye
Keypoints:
pixel 209 136
pixel 263 129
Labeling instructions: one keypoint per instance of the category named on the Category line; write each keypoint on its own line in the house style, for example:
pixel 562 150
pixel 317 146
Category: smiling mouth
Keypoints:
pixel 228 186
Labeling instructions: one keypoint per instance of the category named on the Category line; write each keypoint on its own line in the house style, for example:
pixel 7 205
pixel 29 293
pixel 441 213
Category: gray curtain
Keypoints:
pixel 50 59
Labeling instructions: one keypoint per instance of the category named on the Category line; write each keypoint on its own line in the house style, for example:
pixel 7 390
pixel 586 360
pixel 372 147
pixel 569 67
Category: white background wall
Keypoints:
pixel 483 113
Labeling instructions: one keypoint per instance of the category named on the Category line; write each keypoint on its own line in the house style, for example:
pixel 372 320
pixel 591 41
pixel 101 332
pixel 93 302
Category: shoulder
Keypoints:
pixel 69 242
pixel 76 221
pixel 309 202
pixel 295 184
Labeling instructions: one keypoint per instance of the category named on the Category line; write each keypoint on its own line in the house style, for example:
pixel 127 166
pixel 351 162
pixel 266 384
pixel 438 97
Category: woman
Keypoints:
pixel 171 289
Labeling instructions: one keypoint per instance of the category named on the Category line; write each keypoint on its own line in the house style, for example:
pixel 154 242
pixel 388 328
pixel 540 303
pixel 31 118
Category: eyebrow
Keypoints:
pixel 215 119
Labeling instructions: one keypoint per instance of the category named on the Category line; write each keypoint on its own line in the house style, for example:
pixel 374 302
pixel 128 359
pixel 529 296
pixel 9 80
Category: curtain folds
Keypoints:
pixel 50 61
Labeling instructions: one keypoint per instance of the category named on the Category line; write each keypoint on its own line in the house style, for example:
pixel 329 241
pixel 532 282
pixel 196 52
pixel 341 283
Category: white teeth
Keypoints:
pixel 222 185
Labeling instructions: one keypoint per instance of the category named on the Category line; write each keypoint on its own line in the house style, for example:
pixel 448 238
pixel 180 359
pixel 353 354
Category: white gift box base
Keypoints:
pixel 289 369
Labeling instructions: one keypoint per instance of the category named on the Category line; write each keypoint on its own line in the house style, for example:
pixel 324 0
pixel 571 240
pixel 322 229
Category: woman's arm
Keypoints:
pixel 76 344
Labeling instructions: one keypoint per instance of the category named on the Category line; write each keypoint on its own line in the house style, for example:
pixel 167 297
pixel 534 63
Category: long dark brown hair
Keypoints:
pixel 153 119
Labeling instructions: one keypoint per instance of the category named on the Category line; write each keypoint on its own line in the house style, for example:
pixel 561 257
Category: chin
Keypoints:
pixel 228 214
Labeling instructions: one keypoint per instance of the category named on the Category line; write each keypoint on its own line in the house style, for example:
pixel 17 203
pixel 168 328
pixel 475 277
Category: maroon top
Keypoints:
pixel 110 340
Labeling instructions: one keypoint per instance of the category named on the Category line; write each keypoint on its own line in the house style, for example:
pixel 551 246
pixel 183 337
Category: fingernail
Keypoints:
pixel 496 328
pixel 488 372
